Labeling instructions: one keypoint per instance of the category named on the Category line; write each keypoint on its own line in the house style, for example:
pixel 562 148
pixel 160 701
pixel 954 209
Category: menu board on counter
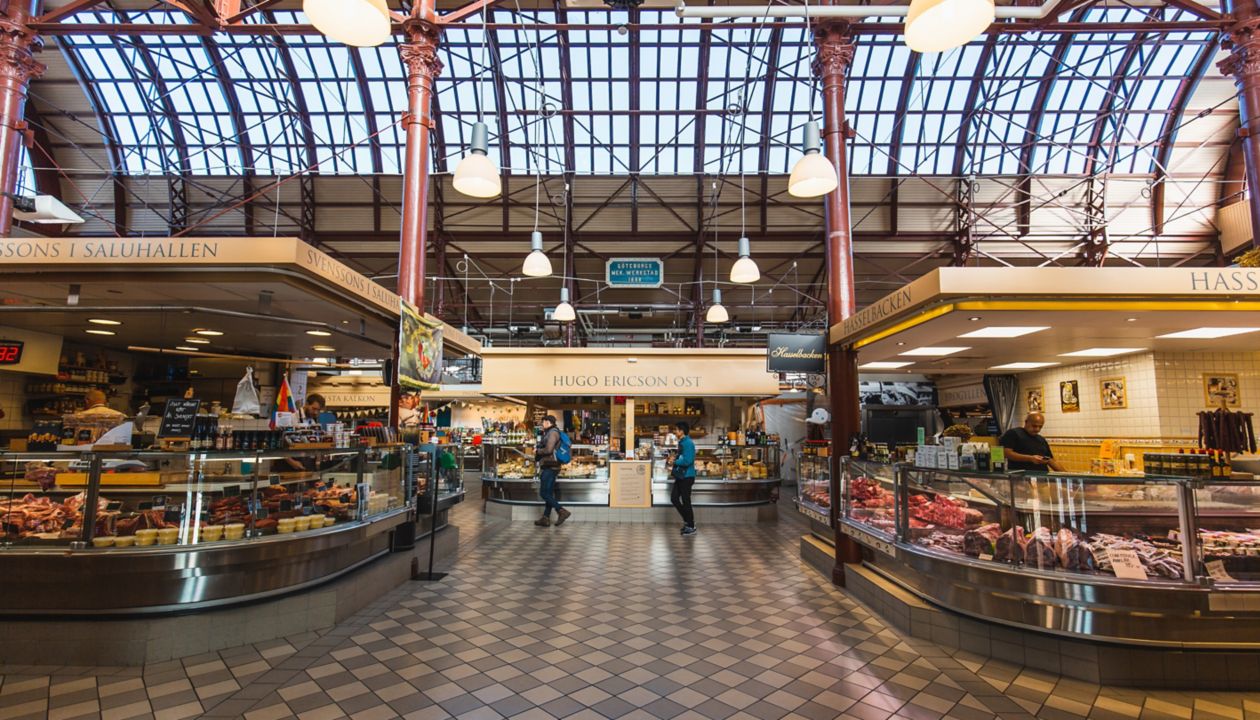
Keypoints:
pixel 178 418
pixel 630 484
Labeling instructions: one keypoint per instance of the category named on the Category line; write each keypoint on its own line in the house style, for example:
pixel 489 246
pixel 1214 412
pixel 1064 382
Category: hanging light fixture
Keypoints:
pixel 745 269
pixel 717 314
pixel 564 312
pixel 361 23
pixel 477 175
pixel 536 263
pixel 939 25
pixel 813 175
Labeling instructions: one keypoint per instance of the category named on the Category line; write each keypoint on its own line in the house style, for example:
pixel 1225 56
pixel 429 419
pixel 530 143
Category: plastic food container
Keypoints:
pixel 124 541
pixel 101 542
pixel 235 531
pixel 168 536
pixel 210 533
pixel 286 525
pixel 304 523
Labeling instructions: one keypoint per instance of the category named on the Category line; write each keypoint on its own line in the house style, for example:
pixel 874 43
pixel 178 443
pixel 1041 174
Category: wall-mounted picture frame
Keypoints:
pixel 1069 396
pixel 1221 385
pixel 1115 393
pixel 1035 397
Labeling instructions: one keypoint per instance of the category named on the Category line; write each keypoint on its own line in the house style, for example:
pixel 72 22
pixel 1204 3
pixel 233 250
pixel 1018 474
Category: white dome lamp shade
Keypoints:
pixel 717 314
pixel 745 269
pixel 477 175
pixel 939 25
pixel 564 311
pixel 536 263
pixel 361 23
pixel 813 175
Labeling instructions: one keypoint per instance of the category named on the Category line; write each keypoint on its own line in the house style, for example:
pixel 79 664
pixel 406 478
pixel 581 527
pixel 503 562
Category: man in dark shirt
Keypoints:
pixel 1026 449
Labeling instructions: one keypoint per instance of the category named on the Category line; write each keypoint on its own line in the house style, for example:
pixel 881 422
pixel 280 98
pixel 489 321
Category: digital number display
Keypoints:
pixel 10 352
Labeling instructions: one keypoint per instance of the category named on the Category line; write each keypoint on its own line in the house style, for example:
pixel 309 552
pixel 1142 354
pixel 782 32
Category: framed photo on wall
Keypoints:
pixel 1115 394
pixel 1069 396
pixel 1221 385
pixel 1036 399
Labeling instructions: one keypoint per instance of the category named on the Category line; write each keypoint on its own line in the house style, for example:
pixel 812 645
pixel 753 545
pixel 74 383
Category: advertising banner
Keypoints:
pixel 419 350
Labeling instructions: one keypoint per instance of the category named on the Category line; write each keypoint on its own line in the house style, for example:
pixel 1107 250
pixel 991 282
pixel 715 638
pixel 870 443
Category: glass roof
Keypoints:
pixel 603 102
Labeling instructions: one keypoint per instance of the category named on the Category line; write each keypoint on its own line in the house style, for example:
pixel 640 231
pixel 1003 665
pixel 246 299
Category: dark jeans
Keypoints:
pixel 547 489
pixel 681 497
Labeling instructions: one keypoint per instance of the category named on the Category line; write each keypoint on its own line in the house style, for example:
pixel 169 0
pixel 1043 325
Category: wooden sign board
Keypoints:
pixel 630 484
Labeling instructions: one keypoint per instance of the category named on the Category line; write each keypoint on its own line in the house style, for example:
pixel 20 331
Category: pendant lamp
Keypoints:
pixel 564 311
pixel 745 269
pixel 717 314
pixel 361 23
pixel 536 263
pixel 939 25
pixel 477 175
pixel 813 175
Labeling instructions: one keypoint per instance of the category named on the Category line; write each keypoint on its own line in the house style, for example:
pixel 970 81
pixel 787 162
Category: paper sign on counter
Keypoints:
pixel 1216 570
pixel 1126 564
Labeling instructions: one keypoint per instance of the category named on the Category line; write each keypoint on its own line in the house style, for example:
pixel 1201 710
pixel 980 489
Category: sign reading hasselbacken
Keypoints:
pixel 635 272
pixel 796 353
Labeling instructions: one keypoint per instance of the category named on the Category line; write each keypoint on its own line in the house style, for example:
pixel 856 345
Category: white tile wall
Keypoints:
pixel 1139 420
pixel 1182 396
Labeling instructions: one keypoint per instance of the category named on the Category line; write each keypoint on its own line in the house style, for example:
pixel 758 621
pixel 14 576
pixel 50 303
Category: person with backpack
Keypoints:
pixel 554 450
pixel 683 474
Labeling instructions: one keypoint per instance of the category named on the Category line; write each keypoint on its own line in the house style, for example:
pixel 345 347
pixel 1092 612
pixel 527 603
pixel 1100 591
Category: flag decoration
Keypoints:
pixel 284 401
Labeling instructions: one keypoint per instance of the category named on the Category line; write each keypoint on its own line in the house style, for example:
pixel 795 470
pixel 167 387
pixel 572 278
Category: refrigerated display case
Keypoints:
pixel 813 485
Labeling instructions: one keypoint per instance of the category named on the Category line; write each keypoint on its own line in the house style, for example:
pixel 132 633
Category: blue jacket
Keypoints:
pixel 686 457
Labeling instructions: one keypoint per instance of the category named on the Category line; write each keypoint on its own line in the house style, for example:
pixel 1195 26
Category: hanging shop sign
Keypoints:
pixel 796 353
pixel 635 272
pixel 419 350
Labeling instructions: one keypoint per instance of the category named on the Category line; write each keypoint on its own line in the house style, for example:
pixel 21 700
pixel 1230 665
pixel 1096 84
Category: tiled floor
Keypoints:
pixel 595 620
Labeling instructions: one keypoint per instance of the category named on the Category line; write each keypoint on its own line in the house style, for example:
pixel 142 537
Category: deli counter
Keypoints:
pixel 1170 561
pixel 725 475
pixel 140 532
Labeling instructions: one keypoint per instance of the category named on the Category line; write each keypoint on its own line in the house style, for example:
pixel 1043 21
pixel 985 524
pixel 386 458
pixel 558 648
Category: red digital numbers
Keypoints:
pixel 10 353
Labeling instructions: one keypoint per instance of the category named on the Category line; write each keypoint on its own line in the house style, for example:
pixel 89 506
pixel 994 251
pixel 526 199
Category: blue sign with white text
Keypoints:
pixel 635 272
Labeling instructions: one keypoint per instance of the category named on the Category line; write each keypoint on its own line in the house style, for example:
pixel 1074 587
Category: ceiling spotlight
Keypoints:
pixel 185 348
pixel 319 333
pixel 813 175
pixel 361 23
pixel 196 341
pixel 99 332
pixel 564 311
pixel 477 175
pixel 939 25
pixel 745 269
pixel 323 348
pixel 717 314
pixel 103 321
pixel 536 263
pixel 208 333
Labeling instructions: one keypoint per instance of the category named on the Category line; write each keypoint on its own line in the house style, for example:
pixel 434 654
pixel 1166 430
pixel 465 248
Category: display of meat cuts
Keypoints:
pixel 1039 551
pixel 982 540
pixel 868 493
pixel 32 515
pixel 1156 562
pixel 1010 546
pixel 944 511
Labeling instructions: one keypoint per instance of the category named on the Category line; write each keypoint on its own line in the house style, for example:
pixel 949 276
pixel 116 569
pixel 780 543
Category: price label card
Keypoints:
pixel 1216 570
pixel 1126 564
pixel 274 479
pixel 986 556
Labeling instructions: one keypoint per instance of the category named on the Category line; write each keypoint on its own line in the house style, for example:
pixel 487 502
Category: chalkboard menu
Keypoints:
pixel 179 418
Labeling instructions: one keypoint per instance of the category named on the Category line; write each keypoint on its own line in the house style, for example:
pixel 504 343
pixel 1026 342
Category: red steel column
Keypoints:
pixel 17 67
pixel 420 57
pixel 1243 64
pixel 835 55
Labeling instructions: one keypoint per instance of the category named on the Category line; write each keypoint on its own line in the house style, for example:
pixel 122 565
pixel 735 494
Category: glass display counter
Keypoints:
pixel 813 485
pixel 1161 560
pixel 178 530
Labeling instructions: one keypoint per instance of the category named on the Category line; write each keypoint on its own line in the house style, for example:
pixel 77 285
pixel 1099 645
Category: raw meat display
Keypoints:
pixel 821 498
pixel 1039 552
pixel 953 542
pixel 1010 546
pixel 30 515
pixel 868 493
pixel 1156 561
pixel 982 540
pixel 944 510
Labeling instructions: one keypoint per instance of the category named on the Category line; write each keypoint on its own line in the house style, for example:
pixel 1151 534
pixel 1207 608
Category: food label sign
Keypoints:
pixel 635 272
pixel 178 418
pixel 1126 564
pixel 796 353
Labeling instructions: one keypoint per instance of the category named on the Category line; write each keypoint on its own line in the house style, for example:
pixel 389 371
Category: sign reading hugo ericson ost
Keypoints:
pixel 543 372
pixel 635 272
pixel 796 353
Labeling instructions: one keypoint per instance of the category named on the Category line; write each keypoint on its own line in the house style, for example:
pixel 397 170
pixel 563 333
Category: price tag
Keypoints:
pixel 274 479
pixel 114 506
pixel 172 517
pixel 1126 564
pixel 986 556
pixel 286 505
pixel 1216 570
pixel 159 501
pixel 145 506
pixel 231 491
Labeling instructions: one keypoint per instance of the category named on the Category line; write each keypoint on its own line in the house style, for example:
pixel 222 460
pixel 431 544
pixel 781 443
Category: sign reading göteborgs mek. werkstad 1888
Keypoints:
pixel 635 272
pixel 796 353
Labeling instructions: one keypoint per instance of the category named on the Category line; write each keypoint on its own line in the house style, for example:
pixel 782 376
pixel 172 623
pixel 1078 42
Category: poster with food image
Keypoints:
pixel 1115 394
pixel 1221 386
pixel 419 351
pixel 1036 399
pixel 1069 396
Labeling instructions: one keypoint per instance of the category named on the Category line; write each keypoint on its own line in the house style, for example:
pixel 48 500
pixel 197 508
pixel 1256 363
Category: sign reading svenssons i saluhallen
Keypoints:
pixel 635 272
pixel 796 353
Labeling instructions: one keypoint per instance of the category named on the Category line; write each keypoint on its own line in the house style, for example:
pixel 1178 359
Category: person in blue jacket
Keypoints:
pixel 684 476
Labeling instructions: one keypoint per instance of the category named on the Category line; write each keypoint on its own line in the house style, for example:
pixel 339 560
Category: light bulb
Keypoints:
pixel 361 23
pixel 536 263
pixel 745 269
pixel 564 312
pixel 939 25
pixel 813 175
pixel 477 175
pixel 717 314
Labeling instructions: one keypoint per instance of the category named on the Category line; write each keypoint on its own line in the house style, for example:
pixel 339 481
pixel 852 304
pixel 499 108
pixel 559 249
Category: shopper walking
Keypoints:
pixel 552 452
pixel 684 476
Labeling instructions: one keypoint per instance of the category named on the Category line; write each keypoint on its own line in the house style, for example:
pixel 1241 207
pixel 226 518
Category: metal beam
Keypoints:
pixel 1172 125
pixel 774 50
pixel 500 102
pixel 369 110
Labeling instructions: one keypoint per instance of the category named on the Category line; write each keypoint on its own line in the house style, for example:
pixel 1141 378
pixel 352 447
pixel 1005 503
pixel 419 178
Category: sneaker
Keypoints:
pixel 683 530
pixel 543 521
pixel 690 530
pixel 561 516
